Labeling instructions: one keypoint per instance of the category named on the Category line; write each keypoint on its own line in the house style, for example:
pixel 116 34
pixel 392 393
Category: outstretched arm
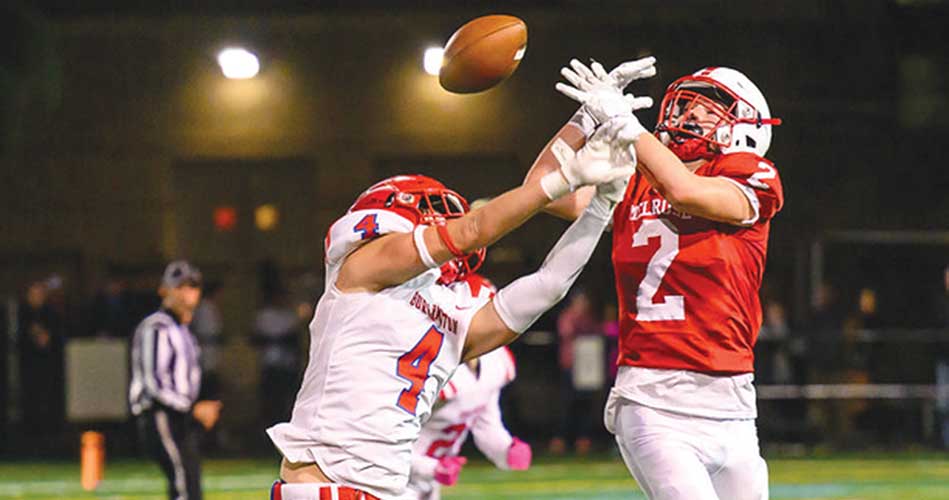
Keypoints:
pixel 571 136
pixel 518 305
pixel 395 258
pixel 714 198
pixel 495 441
pixel 584 122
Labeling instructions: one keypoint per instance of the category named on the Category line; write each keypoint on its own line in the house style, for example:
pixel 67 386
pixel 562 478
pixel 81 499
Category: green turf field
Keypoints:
pixel 909 477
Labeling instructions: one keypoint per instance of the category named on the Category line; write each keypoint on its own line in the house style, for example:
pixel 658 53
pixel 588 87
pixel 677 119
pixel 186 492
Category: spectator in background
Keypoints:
pixel 826 313
pixel 577 318
pixel 277 328
pixel 611 330
pixel 823 332
pixel 867 315
pixel 852 366
pixel 56 299
pixel 207 327
pixel 111 314
pixel 773 355
pixel 780 359
pixel 40 342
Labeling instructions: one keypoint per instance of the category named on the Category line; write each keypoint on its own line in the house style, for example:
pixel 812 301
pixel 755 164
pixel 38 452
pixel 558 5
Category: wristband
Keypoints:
pixel 554 184
pixel 423 253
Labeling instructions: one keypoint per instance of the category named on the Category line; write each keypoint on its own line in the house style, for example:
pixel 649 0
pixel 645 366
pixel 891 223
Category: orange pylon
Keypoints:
pixel 92 459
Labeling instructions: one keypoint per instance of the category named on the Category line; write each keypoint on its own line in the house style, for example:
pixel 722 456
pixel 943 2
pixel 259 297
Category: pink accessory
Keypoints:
pixel 519 455
pixel 448 469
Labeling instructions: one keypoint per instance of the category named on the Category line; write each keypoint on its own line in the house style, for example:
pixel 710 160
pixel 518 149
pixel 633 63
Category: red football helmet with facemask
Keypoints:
pixel 743 119
pixel 423 201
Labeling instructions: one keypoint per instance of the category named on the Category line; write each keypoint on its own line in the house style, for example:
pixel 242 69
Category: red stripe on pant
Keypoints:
pixel 326 493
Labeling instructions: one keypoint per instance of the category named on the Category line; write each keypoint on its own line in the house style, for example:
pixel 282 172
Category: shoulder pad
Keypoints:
pixel 350 231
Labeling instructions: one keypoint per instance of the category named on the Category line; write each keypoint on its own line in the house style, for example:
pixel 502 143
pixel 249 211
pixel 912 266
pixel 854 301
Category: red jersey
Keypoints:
pixel 687 286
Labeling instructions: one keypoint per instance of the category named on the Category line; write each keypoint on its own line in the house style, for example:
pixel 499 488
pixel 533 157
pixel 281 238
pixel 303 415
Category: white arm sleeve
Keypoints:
pixel 523 301
pixel 490 435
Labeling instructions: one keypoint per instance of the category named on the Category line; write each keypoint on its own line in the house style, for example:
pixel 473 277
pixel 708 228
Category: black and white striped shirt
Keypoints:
pixel 165 365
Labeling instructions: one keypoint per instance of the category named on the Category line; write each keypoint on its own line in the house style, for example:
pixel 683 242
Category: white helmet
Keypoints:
pixel 744 120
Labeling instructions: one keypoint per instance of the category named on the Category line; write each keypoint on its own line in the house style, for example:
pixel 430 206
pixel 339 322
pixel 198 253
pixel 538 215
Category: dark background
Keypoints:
pixel 119 137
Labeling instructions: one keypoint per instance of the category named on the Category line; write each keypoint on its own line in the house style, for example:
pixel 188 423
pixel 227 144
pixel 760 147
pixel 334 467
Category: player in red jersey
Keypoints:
pixel 689 246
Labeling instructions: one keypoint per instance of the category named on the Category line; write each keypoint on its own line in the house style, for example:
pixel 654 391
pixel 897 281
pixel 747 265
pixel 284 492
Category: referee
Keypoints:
pixel 166 378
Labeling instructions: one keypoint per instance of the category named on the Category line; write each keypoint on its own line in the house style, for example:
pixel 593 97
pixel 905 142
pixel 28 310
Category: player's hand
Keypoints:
pixel 613 192
pixel 598 162
pixel 519 455
pixel 207 413
pixel 619 77
pixel 622 153
pixel 602 94
pixel 628 71
pixel 448 469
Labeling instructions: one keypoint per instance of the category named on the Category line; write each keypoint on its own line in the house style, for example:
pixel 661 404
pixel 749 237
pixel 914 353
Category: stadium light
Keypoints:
pixel 238 63
pixel 432 61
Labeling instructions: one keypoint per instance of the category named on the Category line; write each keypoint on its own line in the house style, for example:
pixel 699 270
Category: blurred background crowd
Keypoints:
pixel 123 147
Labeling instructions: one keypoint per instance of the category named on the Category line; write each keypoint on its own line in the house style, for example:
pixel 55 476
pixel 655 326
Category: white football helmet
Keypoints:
pixel 744 119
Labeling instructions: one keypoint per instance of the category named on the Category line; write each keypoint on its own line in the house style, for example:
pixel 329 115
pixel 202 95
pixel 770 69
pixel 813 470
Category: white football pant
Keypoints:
pixel 682 457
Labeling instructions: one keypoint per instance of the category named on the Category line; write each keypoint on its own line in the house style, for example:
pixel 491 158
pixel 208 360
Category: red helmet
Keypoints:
pixel 743 118
pixel 423 201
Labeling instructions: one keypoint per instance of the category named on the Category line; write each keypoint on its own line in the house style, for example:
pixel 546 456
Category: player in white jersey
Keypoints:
pixel 469 403
pixel 387 333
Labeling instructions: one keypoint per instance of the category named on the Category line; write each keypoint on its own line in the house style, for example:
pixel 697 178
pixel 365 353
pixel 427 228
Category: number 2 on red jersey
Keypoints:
pixel 673 308
pixel 414 365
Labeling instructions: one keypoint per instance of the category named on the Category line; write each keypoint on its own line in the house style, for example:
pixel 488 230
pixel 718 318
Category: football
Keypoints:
pixel 482 53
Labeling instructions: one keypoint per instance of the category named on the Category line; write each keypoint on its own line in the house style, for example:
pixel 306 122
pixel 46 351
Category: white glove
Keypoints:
pixel 601 93
pixel 628 71
pixel 619 78
pixel 613 192
pixel 595 163
pixel 622 153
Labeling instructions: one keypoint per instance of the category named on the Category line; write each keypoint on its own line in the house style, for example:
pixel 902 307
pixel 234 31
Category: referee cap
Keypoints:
pixel 180 272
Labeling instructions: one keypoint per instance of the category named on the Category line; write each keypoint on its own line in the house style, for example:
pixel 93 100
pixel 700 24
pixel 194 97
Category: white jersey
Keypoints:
pixel 377 364
pixel 468 403
pixel 685 392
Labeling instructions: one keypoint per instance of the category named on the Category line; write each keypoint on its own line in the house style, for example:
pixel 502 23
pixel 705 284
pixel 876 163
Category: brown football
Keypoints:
pixel 482 53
